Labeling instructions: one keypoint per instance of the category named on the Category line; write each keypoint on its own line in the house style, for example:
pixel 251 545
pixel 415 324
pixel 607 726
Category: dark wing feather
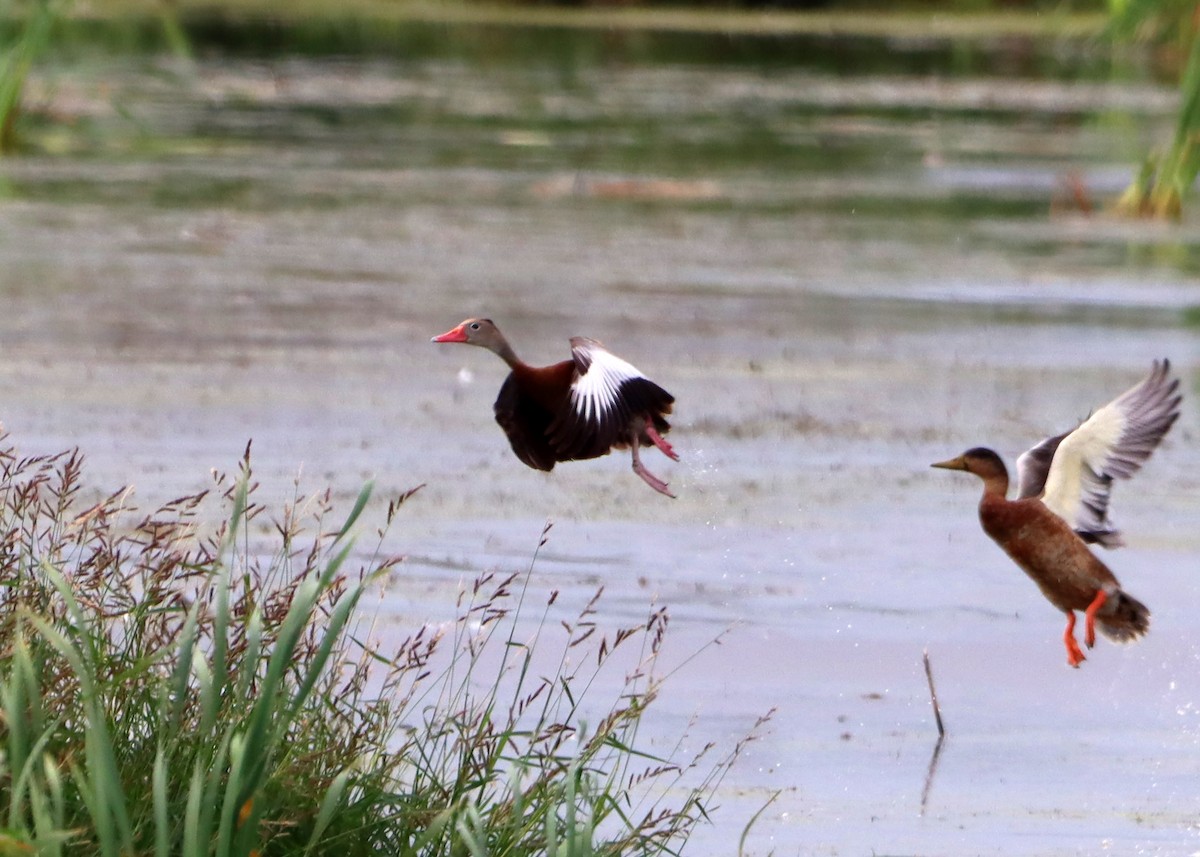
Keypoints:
pixel 642 397
pixel 606 397
pixel 526 423
pixel 1033 466
pixel 575 437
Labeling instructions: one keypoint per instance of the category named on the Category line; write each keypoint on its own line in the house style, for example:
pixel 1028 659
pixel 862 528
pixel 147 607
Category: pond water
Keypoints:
pixel 845 259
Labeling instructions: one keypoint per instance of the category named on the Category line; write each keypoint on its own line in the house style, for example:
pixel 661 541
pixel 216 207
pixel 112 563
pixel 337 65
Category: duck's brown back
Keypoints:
pixel 1047 549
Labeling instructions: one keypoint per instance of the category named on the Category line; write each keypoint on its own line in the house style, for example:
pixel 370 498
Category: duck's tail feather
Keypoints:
pixel 1123 618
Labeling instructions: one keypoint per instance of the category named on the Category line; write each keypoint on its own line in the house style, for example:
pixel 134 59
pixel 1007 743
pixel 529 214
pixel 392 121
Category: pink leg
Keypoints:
pixel 667 449
pixel 649 478
pixel 1074 655
pixel 1089 628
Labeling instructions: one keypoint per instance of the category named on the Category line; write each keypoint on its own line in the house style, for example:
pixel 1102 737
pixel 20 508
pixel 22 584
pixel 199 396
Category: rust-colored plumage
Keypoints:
pixel 1063 501
pixel 1054 556
pixel 580 408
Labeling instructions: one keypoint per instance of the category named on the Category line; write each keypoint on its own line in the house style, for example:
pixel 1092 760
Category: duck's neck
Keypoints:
pixel 995 485
pixel 505 352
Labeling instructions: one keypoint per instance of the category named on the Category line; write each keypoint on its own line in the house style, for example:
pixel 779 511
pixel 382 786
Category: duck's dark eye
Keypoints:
pixel 475 325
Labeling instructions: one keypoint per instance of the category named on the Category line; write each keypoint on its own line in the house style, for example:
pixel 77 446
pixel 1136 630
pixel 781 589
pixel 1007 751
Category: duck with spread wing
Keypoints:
pixel 580 408
pixel 1063 488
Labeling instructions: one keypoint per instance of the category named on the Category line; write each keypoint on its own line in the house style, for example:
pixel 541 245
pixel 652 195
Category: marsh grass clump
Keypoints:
pixel 168 686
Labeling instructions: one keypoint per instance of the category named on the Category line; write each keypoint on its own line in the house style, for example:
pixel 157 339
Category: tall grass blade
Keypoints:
pixel 16 63
pixel 360 503
pixel 234 795
pixel 49 808
pixel 329 805
pixel 162 821
pixel 1165 180
pixel 185 659
pixel 108 794
pixel 173 31
pixel 196 832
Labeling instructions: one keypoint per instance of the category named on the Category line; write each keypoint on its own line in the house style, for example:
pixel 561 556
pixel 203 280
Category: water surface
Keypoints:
pixel 843 271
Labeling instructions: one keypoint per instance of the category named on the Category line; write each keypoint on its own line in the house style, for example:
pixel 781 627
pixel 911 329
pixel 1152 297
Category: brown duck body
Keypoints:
pixel 1047 549
pixel 1063 487
pixel 526 407
pixel 1060 563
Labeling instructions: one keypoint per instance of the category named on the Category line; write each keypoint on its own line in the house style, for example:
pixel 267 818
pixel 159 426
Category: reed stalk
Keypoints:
pixel 25 32
pixel 1164 180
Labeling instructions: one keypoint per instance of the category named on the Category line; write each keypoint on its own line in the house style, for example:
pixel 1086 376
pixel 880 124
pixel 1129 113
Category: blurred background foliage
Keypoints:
pixel 1168 173
pixel 1161 183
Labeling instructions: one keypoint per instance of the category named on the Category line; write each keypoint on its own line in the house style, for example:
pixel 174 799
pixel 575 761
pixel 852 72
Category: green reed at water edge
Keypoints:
pixel 168 688
pixel 30 28
pixel 25 32
pixel 1166 177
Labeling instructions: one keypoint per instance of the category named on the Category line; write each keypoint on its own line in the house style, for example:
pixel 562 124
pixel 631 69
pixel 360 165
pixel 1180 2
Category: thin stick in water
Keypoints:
pixel 937 709
pixel 937 747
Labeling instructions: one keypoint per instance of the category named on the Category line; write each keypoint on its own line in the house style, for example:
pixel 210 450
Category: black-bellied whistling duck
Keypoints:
pixel 580 408
pixel 1063 491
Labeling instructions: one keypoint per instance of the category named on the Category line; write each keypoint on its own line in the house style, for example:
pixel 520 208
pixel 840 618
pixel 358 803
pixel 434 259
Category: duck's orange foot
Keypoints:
pixel 1089 627
pixel 1074 655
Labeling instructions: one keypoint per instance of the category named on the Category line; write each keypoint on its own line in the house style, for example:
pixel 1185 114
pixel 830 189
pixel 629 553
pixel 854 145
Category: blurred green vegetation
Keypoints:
pixel 25 31
pixel 146 21
pixel 393 8
pixel 1168 173
pixel 758 32
pixel 728 32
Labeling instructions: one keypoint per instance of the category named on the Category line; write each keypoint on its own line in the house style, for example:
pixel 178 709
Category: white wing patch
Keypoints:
pixel 1080 463
pixel 1111 444
pixel 595 392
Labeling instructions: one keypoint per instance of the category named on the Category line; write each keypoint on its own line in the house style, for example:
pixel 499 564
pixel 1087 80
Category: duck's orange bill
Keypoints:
pixel 952 464
pixel 458 334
